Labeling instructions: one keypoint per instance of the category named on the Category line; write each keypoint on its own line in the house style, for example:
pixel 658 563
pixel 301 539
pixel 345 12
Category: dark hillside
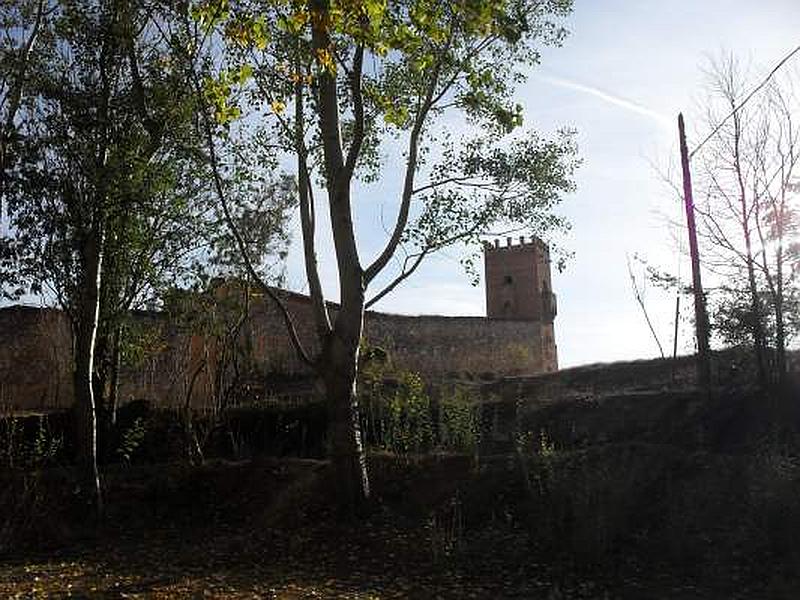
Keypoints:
pixel 599 482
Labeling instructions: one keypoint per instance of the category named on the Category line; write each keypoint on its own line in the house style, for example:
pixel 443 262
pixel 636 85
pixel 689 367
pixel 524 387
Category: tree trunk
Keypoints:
pixel 780 344
pixel 338 364
pixel 758 327
pixel 88 315
pixel 780 325
pixel 116 360
pixel 759 338
pixel 339 370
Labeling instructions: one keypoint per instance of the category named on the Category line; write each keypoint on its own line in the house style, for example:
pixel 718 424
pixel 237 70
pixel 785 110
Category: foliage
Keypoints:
pixel 406 420
pixel 130 439
pixel 142 341
pixel 45 447
pixel 458 422
pixel 401 416
pixel 84 146
pixel 338 84
pixel 429 59
pixel 106 156
pixel 29 443
pixel 732 316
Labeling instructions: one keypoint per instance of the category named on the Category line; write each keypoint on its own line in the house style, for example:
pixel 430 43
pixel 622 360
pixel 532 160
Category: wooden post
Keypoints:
pixel 677 318
pixel 700 314
pixel 675 335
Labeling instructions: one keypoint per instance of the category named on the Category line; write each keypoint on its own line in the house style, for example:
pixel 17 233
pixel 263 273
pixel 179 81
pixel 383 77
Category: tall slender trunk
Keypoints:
pixel 780 325
pixel 759 341
pixel 88 315
pixel 339 361
pixel 759 338
pixel 116 360
pixel 339 370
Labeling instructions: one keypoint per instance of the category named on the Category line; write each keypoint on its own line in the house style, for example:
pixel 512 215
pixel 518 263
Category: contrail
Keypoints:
pixel 624 103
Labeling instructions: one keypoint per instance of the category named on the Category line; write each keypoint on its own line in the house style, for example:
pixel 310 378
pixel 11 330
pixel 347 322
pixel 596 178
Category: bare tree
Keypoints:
pixel 638 293
pixel 746 170
pixel 777 220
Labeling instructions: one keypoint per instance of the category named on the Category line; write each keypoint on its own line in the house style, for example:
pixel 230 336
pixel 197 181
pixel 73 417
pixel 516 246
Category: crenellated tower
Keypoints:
pixel 519 288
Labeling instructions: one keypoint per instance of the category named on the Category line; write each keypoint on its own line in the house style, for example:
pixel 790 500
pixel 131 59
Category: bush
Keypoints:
pixel 458 428
pixel 588 503
pixel 30 442
pixel 401 417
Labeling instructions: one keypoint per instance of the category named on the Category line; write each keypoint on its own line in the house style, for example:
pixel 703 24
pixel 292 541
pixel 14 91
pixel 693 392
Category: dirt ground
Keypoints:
pixel 266 529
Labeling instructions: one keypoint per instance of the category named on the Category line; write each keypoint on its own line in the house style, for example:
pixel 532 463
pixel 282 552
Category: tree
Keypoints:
pixel 98 193
pixel 748 218
pixel 777 214
pixel 108 189
pixel 343 80
pixel 21 24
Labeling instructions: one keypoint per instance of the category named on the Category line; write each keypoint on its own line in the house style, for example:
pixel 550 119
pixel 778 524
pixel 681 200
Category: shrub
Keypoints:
pixel 29 442
pixel 588 503
pixel 458 428
pixel 131 439
pixel 400 416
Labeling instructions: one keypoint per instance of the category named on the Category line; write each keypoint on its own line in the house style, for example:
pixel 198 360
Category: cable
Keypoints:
pixel 750 95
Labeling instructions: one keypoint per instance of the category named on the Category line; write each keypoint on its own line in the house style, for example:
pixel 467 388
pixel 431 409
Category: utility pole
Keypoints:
pixel 700 314
pixel 675 334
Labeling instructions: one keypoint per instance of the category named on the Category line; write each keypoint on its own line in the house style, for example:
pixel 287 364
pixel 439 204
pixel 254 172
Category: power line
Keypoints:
pixel 753 92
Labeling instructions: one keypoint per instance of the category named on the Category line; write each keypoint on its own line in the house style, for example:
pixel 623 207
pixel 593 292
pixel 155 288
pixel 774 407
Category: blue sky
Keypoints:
pixel 626 70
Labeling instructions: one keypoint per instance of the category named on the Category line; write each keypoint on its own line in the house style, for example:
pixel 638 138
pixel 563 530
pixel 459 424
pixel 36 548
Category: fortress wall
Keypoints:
pixel 36 362
pixel 164 372
pixel 431 345
pixel 267 336
pixel 35 358
pixel 438 346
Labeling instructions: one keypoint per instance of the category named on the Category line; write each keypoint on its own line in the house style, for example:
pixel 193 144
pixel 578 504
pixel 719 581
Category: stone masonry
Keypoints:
pixel 515 338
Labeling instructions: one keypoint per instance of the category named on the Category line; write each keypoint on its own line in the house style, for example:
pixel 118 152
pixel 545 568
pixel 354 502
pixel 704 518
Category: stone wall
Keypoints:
pixel 433 345
pixel 35 358
pixel 184 364
pixel 439 346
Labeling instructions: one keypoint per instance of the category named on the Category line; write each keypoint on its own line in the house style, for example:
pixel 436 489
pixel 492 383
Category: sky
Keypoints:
pixel 623 74
pixel 621 77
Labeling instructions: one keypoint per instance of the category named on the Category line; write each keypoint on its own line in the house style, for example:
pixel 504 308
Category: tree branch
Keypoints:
pixel 153 127
pixel 307 220
pixel 404 274
pixel 358 113
pixel 221 196
pixel 411 166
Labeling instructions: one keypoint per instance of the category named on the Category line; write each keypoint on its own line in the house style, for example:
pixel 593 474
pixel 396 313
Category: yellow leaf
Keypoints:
pixel 325 59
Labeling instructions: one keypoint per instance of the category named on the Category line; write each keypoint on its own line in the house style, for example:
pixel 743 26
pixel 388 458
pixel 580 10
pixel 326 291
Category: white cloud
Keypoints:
pixel 609 98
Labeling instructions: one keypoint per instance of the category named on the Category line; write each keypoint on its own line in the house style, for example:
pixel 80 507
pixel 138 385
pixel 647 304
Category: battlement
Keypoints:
pixel 533 244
